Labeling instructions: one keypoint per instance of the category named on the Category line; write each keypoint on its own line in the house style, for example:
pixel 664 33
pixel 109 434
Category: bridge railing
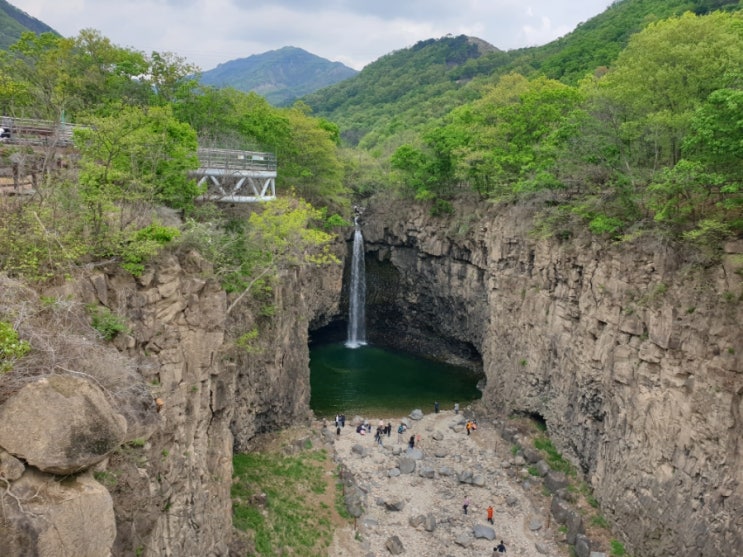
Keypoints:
pixel 33 131
pixel 229 159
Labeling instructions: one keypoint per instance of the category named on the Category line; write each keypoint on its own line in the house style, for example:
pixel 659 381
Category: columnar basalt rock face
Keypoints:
pixel 273 383
pixel 632 355
pixel 172 495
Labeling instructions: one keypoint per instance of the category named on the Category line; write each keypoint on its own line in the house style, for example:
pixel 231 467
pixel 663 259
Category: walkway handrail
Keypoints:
pixel 231 159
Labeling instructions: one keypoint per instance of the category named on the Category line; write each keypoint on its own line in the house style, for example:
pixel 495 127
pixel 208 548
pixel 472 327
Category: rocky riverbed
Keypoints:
pixel 410 501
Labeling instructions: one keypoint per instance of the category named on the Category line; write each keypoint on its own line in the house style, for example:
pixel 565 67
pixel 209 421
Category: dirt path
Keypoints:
pixel 521 511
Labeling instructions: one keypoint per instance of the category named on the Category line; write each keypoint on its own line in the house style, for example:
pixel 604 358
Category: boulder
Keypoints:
pixel 415 454
pixel 417 520
pixel 416 414
pixel 394 545
pixel 482 531
pixel 554 481
pixel 543 468
pixel 464 539
pixel 575 526
pixel 427 472
pixel 394 504
pixel 10 467
pixel 60 424
pixel 406 465
pixel 582 546
pixel 430 523
pixel 560 510
pixel 61 518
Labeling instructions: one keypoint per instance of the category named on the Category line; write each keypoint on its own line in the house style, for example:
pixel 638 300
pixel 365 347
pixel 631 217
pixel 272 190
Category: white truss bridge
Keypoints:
pixel 233 176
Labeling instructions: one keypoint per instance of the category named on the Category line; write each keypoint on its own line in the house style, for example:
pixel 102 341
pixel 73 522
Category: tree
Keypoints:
pixel 664 74
pixel 139 157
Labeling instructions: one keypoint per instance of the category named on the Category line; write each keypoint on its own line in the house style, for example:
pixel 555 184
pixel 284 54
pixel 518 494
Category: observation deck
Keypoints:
pixel 235 176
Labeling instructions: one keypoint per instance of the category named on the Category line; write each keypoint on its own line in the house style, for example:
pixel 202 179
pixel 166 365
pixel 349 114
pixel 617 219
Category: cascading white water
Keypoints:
pixel 357 293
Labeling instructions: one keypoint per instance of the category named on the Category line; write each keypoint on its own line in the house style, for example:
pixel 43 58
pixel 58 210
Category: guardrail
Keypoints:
pixel 32 131
pixel 230 159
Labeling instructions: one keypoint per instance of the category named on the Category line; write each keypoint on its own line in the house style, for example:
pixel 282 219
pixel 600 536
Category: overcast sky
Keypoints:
pixel 355 32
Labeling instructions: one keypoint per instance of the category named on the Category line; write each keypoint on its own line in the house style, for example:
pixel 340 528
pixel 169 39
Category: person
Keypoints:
pixel 466 504
pixel 418 440
pixel 490 514
pixel 500 548
pixel 337 420
pixel 436 407
pixel 389 429
pixel 456 408
pixel 338 430
pixel 343 420
pixel 400 431
pixel 468 426
pixel 411 442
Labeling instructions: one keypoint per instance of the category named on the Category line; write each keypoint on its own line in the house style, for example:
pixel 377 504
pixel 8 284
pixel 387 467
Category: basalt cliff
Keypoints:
pixel 631 353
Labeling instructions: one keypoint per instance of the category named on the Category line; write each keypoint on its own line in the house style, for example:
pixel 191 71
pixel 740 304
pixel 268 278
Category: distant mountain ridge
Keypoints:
pixel 281 76
pixel 14 22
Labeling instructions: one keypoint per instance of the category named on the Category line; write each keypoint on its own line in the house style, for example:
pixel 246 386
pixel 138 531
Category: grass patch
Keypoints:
pixel 553 457
pixel 297 518
pixel 617 549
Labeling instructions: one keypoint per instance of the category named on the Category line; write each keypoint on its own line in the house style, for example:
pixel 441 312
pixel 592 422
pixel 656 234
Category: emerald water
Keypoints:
pixel 372 381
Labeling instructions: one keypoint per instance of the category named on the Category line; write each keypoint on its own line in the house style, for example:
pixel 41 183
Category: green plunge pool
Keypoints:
pixel 373 381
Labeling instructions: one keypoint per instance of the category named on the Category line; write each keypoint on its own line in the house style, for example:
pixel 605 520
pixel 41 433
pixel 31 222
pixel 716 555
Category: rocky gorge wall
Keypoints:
pixel 631 353
pixel 126 448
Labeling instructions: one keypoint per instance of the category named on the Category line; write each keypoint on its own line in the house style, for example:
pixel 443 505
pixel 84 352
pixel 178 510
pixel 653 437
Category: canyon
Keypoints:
pixel 630 352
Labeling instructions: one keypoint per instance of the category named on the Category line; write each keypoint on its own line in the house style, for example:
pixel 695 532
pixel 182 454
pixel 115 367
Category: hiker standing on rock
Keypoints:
pixel 466 504
pixel 456 408
pixel 490 514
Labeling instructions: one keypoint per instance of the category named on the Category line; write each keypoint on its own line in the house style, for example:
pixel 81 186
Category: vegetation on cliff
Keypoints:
pixel 139 122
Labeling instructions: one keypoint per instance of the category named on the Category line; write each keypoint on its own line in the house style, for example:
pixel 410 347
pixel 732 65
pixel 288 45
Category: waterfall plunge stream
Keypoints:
pixel 357 293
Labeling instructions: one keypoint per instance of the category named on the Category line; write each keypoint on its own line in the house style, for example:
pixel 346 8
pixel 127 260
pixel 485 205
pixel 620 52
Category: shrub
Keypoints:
pixel 11 347
pixel 106 322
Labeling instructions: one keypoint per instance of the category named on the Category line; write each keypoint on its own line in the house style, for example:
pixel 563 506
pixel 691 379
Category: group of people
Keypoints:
pixel 382 430
pixel 500 548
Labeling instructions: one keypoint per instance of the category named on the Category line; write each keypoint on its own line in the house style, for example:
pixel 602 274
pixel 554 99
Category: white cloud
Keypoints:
pixel 209 32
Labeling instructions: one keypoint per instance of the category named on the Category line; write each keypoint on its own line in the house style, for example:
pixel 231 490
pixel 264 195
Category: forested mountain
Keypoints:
pixel 407 88
pixel 404 88
pixel 281 76
pixel 13 22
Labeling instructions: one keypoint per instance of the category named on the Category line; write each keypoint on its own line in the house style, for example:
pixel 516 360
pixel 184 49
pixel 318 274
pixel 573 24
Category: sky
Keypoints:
pixel 355 32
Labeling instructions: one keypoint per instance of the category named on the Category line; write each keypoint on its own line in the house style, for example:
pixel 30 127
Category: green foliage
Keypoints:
pixel 600 521
pixel 617 549
pixel 306 147
pixel 106 322
pixel 554 458
pixel 143 244
pixel 133 157
pixel 12 348
pixel 247 341
pixel 292 521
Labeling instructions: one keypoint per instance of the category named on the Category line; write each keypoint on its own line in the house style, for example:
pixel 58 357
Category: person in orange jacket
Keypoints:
pixel 490 514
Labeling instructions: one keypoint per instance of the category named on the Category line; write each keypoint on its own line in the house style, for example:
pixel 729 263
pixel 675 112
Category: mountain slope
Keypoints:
pixel 412 85
pixel 281 76
pixel 14 22
pixel 409 88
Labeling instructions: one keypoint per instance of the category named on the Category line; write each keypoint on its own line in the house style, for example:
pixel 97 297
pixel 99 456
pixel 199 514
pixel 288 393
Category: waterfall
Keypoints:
pixel 357 293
